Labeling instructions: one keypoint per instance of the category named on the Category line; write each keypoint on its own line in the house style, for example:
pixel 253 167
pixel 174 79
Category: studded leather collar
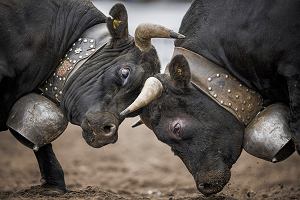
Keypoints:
pixel 222 87
pixel 92 40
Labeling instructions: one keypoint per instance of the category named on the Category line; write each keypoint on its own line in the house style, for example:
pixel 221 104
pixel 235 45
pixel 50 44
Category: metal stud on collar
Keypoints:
pixel 217 83
pixel 53 87
pixel 232 95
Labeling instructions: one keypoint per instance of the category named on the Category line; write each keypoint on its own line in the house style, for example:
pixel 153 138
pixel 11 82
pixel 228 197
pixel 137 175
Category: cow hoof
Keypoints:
pixel 50 190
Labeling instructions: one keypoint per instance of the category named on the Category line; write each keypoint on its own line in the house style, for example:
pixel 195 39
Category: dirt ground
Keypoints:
pixel 138 166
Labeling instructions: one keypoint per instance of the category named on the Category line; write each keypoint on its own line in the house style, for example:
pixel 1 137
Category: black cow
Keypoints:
pixel 257 42
pixel 34 38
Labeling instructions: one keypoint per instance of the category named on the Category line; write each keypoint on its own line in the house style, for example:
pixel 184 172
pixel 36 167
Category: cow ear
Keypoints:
pixel 117 24
pixel 180 71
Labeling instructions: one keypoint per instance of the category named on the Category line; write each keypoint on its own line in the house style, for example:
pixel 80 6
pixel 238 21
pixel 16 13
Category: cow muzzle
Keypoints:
pixel 212 181
pixel 100 129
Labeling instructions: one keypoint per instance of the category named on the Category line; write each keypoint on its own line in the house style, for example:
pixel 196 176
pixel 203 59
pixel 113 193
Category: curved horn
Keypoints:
pixel 144 33
pixel 151 91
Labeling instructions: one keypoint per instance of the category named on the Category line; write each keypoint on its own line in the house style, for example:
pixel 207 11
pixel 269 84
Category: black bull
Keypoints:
pixel 35 36
pixel 258 42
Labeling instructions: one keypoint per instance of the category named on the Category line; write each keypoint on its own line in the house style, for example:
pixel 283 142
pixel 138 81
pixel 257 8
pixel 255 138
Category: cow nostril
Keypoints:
pixel 201 186
pixel 106 129
pixel 109 129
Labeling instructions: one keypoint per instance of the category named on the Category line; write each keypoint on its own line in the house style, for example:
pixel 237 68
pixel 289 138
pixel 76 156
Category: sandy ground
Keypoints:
pixel 138 166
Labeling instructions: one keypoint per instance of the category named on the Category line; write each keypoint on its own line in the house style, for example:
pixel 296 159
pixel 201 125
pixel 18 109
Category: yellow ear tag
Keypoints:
pixel 116 23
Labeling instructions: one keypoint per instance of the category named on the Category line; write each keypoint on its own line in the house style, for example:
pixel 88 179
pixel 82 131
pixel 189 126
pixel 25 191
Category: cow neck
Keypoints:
pixel 222 87
pixel 91 41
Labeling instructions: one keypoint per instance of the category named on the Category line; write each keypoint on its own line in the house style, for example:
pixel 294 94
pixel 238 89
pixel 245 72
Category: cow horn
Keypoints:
pixel 144 33
pixel 137 123
pixel 151 91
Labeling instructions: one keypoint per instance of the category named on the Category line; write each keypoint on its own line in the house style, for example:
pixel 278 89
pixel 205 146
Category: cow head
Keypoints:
pixel 206 137
pixel 112 78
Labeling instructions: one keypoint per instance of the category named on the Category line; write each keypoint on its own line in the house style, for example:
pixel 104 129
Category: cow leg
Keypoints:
pixel 294 97
pixel 52 174
pixel 291 72
pixel 51 171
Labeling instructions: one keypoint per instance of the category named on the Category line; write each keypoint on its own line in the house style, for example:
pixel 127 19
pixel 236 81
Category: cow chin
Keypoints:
pixel 212 182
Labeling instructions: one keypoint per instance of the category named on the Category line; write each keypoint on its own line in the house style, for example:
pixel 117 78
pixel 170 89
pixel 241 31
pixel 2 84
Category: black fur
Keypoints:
pixel 97 92
pixel 258 42
pixel 34 36
pixel 51 172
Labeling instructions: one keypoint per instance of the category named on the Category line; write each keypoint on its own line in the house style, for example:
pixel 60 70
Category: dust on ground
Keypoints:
pixel 138 166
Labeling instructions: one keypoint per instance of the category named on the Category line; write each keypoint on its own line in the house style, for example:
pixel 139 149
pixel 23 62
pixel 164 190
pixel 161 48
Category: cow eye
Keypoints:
pixel 124 73
pixel 176 130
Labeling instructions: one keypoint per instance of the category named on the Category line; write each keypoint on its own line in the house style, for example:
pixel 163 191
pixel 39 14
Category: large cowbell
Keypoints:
pixel 37 121
pixel 268 136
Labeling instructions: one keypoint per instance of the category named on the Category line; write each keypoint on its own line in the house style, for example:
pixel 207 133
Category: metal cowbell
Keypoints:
pixel 37 120
pixel 268 135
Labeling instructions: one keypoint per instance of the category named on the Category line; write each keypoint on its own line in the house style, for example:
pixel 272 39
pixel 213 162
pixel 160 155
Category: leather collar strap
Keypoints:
pixel 84 48
pixel 222 87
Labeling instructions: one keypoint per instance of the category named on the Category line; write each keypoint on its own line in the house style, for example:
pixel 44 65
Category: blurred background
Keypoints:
pixel 138 166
